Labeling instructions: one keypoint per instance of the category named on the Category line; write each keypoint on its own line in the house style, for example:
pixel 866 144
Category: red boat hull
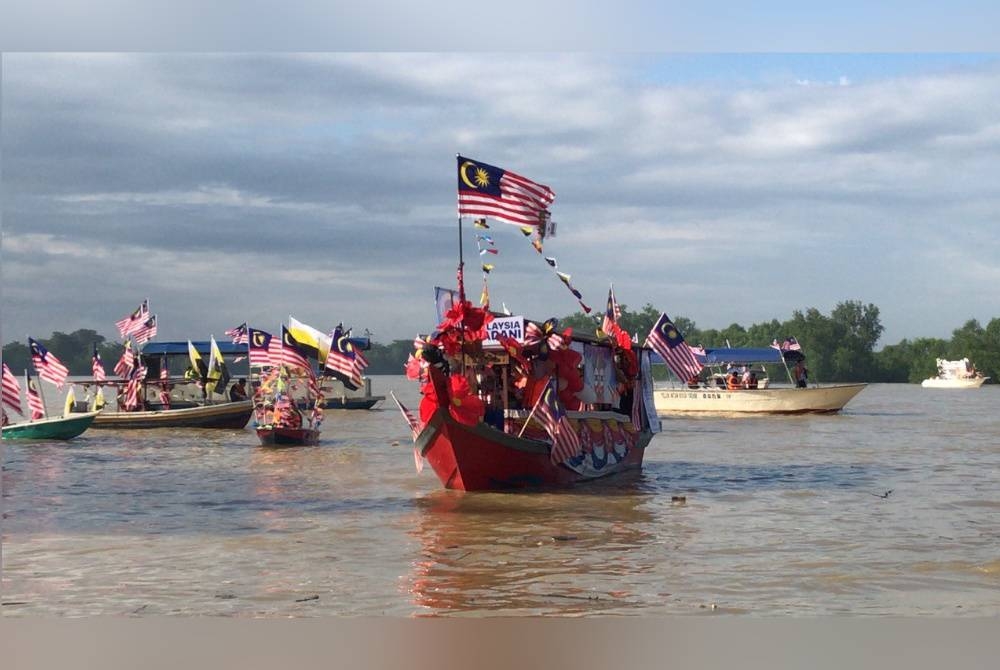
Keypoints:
pixel 482 458
pixel 287 437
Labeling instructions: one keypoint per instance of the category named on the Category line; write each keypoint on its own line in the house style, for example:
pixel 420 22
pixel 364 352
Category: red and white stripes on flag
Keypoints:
pixel 132 393
pixel 344 361
pixel 126 364
pixel 611 315
pixel 97 367
pixel 35 403
pixel 134 320
pixel 259 347
pixel 415 428
pixel 145 331
pixel 637 406
pixel 486 190
pixel 668 342
pixel 550 412
pixel 47 365
pixel 238 333
pixel 11 390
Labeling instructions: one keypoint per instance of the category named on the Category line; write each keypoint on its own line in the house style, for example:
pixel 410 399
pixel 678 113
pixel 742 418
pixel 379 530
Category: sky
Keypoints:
pixel 718 187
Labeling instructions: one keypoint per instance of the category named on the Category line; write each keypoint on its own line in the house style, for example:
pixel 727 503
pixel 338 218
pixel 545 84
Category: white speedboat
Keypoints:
pixel 955 375
pixel 716 396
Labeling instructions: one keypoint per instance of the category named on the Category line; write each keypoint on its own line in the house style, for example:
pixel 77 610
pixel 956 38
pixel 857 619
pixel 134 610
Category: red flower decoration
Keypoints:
pixel 413 367
pixel 464 406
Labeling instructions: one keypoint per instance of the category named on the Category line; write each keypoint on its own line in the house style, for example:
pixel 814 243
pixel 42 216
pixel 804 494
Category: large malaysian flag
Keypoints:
pixel 668 342
pixel 486 190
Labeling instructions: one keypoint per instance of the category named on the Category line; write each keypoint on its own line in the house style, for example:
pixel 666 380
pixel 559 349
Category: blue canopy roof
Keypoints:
pixel 740 356
pixel 181 348
pixel 727 356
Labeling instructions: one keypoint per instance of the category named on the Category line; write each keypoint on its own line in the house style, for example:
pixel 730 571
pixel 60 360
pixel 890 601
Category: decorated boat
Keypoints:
pixel 38 424
pixel 279 419
pixel 955 375
pixel 509 403
pixel 726 381
pixel 169 385
pixel 53 428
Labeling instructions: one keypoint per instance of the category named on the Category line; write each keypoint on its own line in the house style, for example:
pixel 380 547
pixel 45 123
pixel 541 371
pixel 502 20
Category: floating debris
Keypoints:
pixel 563 538
pixel 679 500
pixel 307 599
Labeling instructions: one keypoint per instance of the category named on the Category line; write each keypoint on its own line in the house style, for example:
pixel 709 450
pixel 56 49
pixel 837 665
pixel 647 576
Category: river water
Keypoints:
pixel 889 508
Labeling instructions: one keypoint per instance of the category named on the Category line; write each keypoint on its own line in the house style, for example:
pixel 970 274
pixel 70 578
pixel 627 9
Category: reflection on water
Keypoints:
pixel 889 508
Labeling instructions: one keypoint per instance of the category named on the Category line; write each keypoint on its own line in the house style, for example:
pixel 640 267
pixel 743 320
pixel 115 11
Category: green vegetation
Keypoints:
pixel 839 347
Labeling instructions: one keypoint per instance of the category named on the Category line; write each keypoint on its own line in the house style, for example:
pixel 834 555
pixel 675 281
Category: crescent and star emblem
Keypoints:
pixel 482 177
pixel 258 339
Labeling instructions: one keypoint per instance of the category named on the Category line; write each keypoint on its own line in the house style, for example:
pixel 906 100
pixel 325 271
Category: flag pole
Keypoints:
pixel 532 412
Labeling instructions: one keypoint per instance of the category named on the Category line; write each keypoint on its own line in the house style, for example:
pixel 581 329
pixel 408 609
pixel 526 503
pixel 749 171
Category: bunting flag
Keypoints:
pixel 611 315
pixel 259 347
pixel 668 342
pixel 126 364
pixel 481 223
pixel 48 366
pixel 344 362
pixel 218 374
pixel 11 391
pixel 238 333
pixel 134 320
pixel 35 402
pixel 97 366
pixel 565 441
pixel 487 268
pixel 551 261
pixel 488 191
pixel 145 331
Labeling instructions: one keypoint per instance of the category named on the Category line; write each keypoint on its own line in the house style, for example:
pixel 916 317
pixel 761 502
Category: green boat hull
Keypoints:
pixel 59 428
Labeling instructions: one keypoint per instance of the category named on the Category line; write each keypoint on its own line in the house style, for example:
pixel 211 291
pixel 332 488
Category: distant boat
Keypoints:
pixel 176 401
pixel 337 396
pixel 287 410
pixel 715 397
pixel 955 375
pixel 56 428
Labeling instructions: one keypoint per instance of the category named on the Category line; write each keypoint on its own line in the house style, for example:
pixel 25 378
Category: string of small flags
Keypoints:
pixel 486 246
pixel 537 235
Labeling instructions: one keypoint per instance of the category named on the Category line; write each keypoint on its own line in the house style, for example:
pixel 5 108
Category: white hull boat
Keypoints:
pixel 773 400
pixel 955 375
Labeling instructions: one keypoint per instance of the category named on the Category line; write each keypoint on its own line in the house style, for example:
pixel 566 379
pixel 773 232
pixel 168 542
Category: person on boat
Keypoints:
pixel 801 374
pixel 751 382
pixel 239 390
pixel 732 381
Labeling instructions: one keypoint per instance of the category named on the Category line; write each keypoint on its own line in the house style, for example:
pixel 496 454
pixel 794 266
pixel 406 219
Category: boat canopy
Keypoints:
pixel 741 356
pixel 181 348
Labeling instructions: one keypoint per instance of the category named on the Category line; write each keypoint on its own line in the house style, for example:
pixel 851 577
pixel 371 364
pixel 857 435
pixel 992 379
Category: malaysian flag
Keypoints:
pixel 35 403
pixel 132 394
pixel 48 366
pixel 239 333
pixel 145 331
pixel 164 383
pixel 97 366
pixel 414 424
pixel 565 441
pixel 11 390
pixel 126 364
pixel 485 190
pixel 344 362
pixel 292 354
pixel 668 342
pixel 637 406
pixel 259 347
pixel 134 320
pixel 611 315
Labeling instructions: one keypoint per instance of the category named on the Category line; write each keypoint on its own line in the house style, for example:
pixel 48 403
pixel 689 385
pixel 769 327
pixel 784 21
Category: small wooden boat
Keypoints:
pixel 228 415
pixel 56 428
pixel 287 410
pixel 273 436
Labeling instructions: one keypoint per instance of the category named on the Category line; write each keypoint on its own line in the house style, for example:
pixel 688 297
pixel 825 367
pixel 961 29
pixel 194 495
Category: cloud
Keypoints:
pixel 227 187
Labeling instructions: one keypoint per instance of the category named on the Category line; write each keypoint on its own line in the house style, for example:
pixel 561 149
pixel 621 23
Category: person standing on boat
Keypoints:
pixel 801 374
